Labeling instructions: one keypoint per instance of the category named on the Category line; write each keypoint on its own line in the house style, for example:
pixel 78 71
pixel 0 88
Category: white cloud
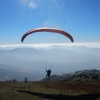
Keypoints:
pixel 32 5
pixel 87 44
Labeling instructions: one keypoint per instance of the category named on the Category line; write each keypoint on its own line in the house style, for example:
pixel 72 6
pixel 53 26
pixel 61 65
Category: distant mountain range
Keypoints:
pixel 83 75
pixel 7 74
pixel 32 62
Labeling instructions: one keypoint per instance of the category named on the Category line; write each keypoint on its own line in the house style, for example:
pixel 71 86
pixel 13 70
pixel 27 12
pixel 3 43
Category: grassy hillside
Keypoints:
pixel 60 90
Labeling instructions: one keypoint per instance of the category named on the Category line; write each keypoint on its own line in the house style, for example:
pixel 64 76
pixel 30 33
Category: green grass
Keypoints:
pixel 49 90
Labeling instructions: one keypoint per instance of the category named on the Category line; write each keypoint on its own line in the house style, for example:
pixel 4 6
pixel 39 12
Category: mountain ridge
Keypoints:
pixel 82 75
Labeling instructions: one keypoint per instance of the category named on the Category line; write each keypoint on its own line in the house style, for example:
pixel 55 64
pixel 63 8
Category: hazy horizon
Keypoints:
pixel 55 55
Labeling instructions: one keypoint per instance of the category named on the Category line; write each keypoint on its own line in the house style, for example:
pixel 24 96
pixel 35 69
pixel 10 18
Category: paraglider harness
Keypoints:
pixel 48 73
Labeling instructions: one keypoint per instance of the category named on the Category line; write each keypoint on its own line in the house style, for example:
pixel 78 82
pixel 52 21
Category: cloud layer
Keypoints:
pixel 87 44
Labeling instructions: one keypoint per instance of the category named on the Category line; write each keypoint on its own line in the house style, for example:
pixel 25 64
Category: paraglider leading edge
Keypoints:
pixel 54 30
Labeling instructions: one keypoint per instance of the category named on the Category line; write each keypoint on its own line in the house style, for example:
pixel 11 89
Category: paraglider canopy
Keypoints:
pixel 46 29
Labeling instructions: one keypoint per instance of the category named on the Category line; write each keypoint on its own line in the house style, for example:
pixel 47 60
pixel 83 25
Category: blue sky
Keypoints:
pixel 80 18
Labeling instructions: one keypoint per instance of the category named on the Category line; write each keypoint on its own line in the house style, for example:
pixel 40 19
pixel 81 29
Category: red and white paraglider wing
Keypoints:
pixel 53 30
